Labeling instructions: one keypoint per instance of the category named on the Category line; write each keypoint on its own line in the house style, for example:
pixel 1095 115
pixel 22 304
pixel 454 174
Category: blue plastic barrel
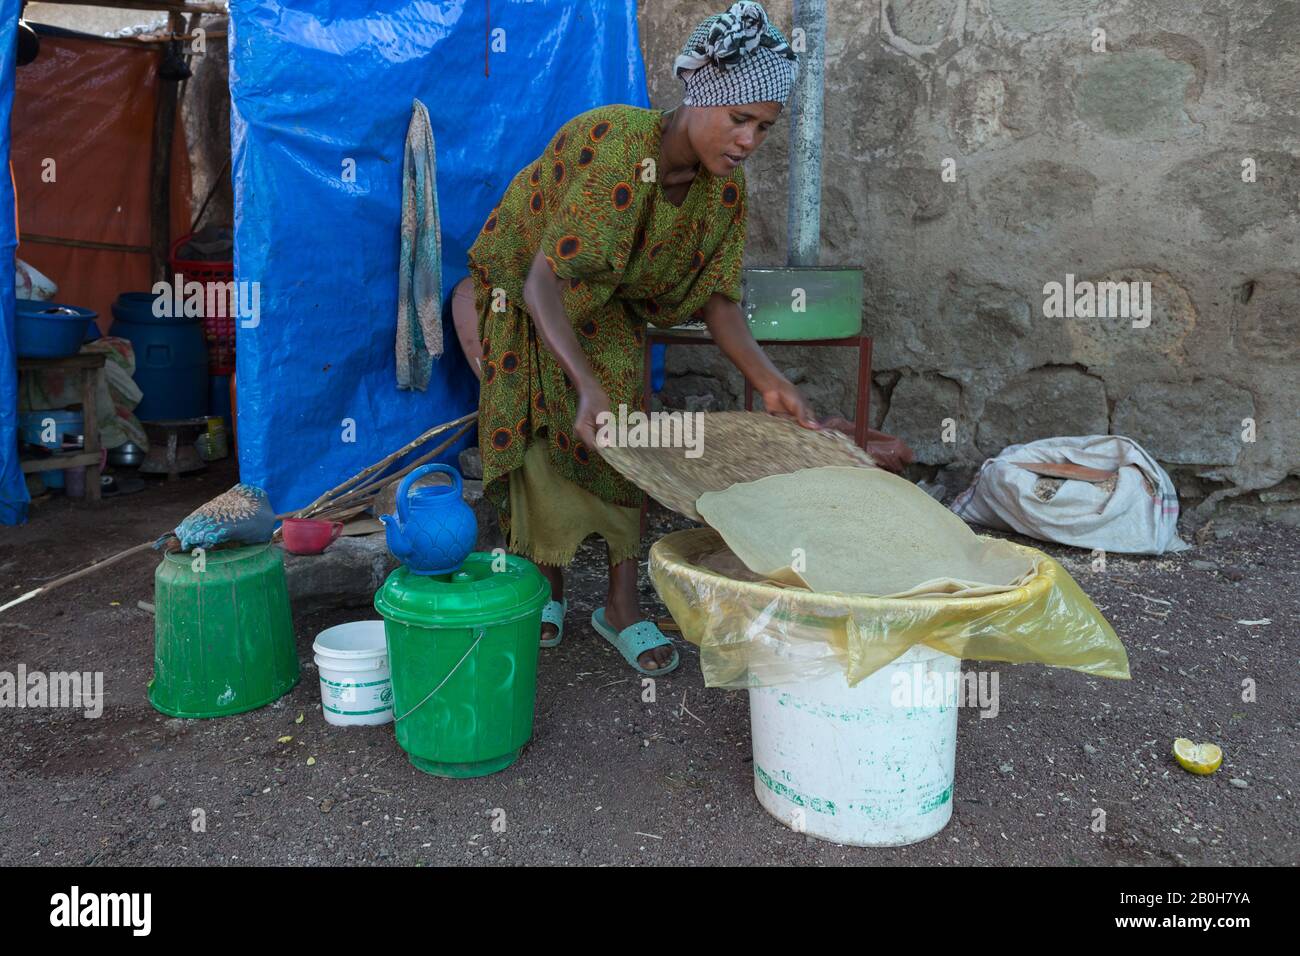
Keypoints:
pixel 171 358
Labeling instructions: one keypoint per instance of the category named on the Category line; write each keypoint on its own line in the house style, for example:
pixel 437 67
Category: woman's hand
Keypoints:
pixel 783 398
pixel 730 331
pixel 592 402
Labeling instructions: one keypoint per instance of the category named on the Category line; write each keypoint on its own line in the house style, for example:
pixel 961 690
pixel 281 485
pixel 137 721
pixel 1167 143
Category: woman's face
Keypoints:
pixel 725 136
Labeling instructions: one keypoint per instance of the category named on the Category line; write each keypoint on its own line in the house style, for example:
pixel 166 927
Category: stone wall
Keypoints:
pixel 1106 156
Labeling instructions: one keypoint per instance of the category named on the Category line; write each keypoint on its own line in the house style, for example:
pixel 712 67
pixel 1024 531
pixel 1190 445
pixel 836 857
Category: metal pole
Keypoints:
pixel 804 214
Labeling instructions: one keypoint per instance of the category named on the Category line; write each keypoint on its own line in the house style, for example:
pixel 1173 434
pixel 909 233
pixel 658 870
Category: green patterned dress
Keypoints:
pixel 628 256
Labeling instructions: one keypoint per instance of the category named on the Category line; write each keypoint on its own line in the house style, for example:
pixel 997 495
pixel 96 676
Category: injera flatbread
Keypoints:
pixel 736 447
pixel 862 531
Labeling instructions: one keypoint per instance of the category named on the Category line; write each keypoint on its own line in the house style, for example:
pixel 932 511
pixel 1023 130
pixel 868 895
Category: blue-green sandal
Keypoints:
pixel 553 613
pixel 634 640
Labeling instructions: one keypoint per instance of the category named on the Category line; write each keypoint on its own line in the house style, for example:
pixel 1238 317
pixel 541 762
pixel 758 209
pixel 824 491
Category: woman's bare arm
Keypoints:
pixel 542 297
pixel 729 329
pixel 465 318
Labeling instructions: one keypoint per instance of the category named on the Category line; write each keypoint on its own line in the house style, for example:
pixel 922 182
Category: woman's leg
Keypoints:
pixel 550 517
pixel 533 533
pixel 623 609
pixel 554 575
pixel 465 318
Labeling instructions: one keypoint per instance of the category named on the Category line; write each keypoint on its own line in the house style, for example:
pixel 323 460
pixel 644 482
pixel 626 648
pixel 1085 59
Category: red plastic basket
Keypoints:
pixel 219 329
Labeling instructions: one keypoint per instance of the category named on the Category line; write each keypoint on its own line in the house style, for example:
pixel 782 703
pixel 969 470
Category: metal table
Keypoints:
pixel 861 342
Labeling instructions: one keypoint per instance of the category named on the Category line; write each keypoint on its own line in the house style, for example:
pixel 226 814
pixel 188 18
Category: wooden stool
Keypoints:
pixel 171 447
pixel 90 365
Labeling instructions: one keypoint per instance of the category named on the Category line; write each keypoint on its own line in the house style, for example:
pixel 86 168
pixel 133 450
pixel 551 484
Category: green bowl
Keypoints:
pixel 798 304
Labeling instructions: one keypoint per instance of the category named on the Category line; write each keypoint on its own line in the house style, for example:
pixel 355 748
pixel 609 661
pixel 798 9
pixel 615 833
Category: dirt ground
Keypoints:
pixel 610 780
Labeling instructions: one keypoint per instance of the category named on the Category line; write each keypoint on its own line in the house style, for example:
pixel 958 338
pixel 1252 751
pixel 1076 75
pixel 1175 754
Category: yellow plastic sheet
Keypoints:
pixel 753 633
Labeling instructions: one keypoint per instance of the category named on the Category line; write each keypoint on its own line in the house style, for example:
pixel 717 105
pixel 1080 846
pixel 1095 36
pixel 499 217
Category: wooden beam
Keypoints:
pixel 174 6
pixel 160 169
pixel 81 243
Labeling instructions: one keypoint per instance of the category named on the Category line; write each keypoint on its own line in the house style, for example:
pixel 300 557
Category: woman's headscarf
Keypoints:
pixel 735 58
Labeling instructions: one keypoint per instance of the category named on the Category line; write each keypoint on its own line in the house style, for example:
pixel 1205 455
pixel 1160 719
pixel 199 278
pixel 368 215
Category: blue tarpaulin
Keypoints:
pixel 322 95
pixel 13 489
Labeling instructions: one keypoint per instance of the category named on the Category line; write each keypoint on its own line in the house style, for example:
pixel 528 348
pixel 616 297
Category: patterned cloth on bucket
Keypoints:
pixel 241 516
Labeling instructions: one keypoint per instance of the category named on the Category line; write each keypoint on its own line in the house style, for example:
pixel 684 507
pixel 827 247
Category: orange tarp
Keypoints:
pixel 82 136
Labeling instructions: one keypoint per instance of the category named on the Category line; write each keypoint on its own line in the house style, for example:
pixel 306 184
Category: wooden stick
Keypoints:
pixel 341 514
pixel 374 488
pixel 363 498
pixel 381 464
pixel 373 485
pixel 58 582
pixel 377 481
pixel 83 243
pixel 386 461
pixel 160 171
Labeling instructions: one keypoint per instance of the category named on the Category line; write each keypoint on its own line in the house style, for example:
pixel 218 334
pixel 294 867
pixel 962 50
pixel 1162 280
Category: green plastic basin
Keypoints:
pixel 798 304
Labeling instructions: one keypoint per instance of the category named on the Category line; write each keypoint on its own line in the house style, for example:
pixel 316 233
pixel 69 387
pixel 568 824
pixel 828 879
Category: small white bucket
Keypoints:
pixel 356 686
pixel 864 765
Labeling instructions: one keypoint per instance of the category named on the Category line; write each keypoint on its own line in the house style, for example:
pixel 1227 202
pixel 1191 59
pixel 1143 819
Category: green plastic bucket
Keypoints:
pixel 463 648
pixel 223 633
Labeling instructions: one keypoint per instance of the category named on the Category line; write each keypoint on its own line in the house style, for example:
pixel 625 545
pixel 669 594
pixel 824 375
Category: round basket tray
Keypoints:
pixel 736 447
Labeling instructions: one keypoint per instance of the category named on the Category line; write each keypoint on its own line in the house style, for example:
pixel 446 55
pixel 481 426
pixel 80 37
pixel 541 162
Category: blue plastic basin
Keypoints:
pixel 48 329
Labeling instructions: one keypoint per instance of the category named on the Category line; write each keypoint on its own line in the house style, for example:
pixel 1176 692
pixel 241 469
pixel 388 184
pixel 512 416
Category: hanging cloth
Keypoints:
pixel 419 284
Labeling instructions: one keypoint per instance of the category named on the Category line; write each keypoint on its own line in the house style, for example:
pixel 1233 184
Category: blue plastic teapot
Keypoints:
pixel 434 529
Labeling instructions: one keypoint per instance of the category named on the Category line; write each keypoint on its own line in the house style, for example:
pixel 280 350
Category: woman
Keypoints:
pixel 629 216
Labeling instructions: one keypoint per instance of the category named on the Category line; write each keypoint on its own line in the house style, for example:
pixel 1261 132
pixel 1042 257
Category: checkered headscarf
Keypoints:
pixel 735 58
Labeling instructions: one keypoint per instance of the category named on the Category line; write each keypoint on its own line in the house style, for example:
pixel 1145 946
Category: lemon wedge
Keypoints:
pixel 1197 758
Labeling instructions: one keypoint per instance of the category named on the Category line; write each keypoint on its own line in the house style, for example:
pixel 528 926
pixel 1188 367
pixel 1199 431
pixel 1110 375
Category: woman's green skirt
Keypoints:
pixel 550 515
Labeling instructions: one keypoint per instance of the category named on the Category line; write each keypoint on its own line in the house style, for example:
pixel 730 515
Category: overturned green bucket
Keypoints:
pixel 223 633
pixel 462 648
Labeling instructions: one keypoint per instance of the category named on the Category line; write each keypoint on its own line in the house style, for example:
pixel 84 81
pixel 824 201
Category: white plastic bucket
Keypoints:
pixel 356 687
pixel 870 765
